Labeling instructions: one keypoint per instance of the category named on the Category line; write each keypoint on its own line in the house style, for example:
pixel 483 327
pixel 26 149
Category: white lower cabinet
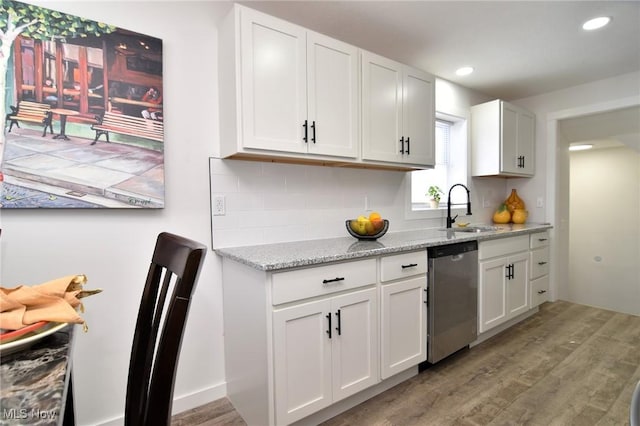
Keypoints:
pixel 403 333
pixel 403 312
pixel 324 351
pixel 503 284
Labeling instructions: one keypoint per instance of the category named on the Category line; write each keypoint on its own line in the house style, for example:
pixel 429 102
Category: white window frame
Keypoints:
pixel 459 151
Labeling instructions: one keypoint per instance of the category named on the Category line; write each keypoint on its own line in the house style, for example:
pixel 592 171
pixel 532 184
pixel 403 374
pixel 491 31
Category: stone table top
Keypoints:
pixel 33 381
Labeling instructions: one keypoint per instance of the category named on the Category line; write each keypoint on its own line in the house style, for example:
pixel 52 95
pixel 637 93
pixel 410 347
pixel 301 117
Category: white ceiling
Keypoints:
pixel 518 48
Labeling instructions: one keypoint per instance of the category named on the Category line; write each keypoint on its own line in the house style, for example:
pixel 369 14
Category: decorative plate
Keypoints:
pixel 26 341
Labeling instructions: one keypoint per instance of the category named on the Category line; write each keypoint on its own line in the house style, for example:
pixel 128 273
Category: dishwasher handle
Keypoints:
pixel 452 249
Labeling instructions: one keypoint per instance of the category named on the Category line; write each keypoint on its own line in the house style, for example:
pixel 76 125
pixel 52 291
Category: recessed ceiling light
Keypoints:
pixel 464 71
pixel 595 23
pixel 580 147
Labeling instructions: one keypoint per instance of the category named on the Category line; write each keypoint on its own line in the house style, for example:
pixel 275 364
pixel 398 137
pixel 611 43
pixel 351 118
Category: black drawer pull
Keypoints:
pixel 333 280
pixel 542 263
pixel 542 291
pixel 411 265
pixel 542 239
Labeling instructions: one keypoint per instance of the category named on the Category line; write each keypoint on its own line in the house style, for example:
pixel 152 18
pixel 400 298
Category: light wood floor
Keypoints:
pixel 567 365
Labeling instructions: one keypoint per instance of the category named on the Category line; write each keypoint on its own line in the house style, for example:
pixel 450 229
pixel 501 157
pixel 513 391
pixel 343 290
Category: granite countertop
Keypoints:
pixel 272 257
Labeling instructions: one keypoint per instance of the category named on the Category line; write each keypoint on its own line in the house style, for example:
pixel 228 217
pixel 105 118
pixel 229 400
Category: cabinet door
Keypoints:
pixel 302 360
pixel 492 294
pixel 381 108
pixel 354 343
pixel 517 144
pixel 518 285
pixel 274 99
pixel 332 78
pixel 526 142
pixel 404 325
pixel 418 116
pixel 509 139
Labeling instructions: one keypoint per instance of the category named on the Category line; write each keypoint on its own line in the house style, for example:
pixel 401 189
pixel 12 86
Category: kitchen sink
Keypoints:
pixel 473 229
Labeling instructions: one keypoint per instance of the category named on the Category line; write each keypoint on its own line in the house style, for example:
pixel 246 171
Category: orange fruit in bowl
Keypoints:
pixel 376 219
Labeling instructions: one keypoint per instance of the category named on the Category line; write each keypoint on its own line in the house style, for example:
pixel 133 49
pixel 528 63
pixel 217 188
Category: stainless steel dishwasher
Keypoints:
pixel 452 288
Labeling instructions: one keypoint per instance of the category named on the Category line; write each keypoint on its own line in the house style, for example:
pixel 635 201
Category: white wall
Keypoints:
pixel 113 247
pixel 604 224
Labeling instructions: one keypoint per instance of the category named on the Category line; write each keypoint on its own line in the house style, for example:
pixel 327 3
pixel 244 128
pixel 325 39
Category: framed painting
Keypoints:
pixel 81 108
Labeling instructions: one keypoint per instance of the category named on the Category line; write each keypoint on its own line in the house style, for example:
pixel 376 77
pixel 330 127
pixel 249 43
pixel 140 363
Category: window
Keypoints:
pixel 450 168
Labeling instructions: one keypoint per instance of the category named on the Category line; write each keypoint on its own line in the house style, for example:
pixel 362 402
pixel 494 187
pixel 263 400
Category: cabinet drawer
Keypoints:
pixel 309 282
pixel 539 239
pixel 539 262
pixel 539 291
pixel 502 247
pixel 403 265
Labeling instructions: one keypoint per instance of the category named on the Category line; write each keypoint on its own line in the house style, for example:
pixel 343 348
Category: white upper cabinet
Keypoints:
pixel 332 87
pixel 273 82
pixel 502 140
pixel 297 90
pixel 398 112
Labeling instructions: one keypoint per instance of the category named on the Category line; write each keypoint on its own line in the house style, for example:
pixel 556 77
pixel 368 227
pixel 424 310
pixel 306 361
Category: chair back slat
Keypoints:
pixel 174 270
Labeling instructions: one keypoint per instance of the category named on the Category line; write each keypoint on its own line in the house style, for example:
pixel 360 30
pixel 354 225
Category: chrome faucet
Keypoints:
pixel 450 219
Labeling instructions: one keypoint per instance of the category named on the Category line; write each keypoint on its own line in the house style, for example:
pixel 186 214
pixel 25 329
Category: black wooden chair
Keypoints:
pixel 174 271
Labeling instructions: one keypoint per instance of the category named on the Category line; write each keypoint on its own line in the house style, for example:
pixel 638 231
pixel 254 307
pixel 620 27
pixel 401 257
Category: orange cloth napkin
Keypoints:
pixel 56 301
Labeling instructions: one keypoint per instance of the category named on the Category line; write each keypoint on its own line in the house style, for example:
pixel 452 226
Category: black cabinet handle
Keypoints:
pixel 333 280
pixel 510 272
pixel 542 239
pixel 402 145
pixel 328 316
pixel 410 265
pixel 305 131
pixel 542 291
pixel 542 263
pixel 408 144
pixel 426 297
pixel 313 127
pixel 521 161
pixel 339 327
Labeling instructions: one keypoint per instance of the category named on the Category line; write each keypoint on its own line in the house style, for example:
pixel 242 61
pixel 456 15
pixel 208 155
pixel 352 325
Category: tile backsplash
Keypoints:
pixel 275 202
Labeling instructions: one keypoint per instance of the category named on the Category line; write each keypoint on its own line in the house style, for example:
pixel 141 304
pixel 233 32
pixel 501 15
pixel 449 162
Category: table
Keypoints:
pixel 117 100
pixel 35 384
pixel 63 113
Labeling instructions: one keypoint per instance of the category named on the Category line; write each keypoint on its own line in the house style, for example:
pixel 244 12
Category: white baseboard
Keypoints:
pixel 196 399
pixel 183 402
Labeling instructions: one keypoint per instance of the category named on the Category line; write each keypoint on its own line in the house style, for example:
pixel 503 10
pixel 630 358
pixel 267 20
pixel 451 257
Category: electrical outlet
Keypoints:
pixel 219 208
pixel 486 202
pixel 540 202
